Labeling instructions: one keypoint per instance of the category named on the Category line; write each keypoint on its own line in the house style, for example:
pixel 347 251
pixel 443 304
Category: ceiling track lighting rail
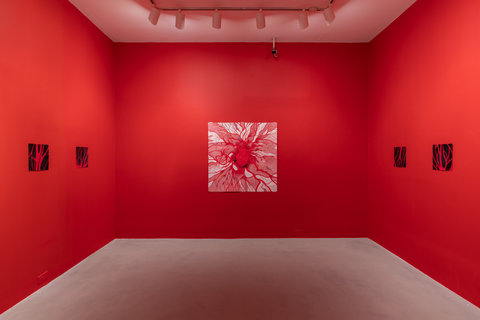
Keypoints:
pixel 216 23
pixel 310 9
pixel 293 9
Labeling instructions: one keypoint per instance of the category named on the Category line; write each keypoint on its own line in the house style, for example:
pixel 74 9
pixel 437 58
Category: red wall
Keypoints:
pixel 424 90
pixel 56 87
pixel 167 93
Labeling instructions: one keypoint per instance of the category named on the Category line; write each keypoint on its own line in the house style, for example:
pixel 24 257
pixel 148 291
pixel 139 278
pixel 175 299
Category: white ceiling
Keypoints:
pixel 356 20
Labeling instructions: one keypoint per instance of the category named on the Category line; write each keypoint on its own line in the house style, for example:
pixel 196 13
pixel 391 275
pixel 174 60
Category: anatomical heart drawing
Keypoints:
pixel 242 156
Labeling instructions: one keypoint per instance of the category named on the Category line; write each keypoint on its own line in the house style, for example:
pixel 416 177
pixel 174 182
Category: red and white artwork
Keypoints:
pixel 242 156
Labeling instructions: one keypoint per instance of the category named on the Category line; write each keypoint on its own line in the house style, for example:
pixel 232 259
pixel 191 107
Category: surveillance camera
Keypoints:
pixel 275 52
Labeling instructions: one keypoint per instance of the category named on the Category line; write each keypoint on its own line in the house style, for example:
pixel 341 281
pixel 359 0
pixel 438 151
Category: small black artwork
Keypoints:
pixel 82 157
pixel 400 157
pixel 442 157
pixel 38 157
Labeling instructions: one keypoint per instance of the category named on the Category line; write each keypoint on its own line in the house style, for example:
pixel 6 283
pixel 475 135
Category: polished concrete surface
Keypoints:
pixel 243 279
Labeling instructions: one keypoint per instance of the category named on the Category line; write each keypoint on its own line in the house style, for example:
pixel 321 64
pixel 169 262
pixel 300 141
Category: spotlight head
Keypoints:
pixel 154 15
pixel 180 20
pixel 217 20
pixel 303 19
pixel 260 19
pixel 329 15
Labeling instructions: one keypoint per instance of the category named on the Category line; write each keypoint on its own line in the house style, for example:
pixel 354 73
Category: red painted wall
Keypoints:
pixel 56 87
pixel 424 90
pixel 167 93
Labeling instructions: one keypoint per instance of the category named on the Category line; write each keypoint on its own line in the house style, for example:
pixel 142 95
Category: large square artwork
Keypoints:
pixel 242 156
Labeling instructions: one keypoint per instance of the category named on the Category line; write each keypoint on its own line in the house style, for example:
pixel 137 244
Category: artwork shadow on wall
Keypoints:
pixel 242 156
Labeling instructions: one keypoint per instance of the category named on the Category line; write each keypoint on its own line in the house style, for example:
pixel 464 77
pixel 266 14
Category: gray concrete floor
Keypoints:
pixel 243 279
